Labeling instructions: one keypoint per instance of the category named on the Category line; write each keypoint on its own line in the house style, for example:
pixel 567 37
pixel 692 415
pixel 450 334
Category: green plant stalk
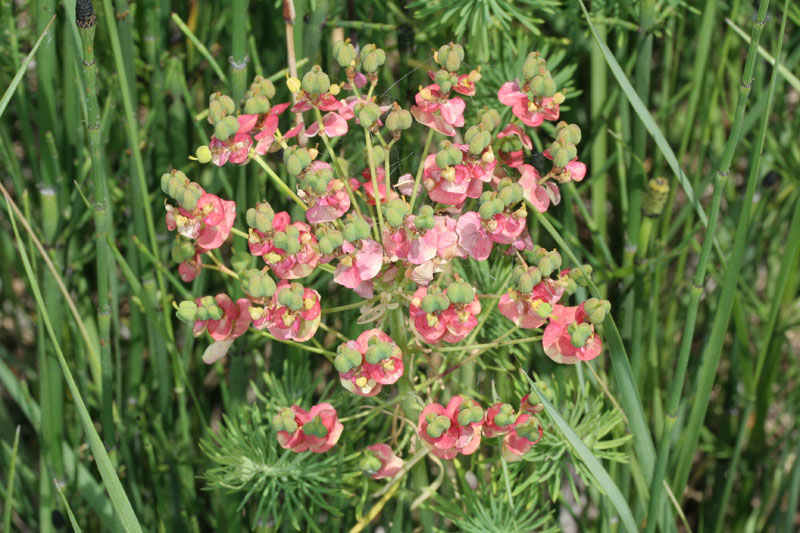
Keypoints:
pixel 8 504
pixel 650 125
pixel 111 482
pixel 707 25
pixel 765 366
pixel 101 221
pixel 417 180
pixel 713 350
pixel 141 202
pixel 598 98
pixel 24 111
pixel 374 178
pixel 642 75
pixel 76 472
pixel 46 71
pixel 411 407
pixel 676 387
pixel 787 266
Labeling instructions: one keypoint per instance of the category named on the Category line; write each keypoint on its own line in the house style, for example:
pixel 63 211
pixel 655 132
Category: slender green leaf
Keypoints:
pixel 21 71
pixel 112 483
pixel 595 467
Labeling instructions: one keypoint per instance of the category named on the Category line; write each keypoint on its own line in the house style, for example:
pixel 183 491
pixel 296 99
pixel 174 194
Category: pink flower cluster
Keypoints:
pixel 200 217
pixel 435 316
pixel 368 363
pixel 317 430
pixel 452 430
pixel 389 236
pixel 293 312
pixel 457 428
pixel 532 300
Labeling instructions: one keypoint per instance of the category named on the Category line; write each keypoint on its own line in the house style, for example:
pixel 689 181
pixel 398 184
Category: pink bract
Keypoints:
pixel 530 113
pixel 438 112
pixel 515 445
pixel 557 342
pixel 360 264
pixel 390 463
pixel 539 195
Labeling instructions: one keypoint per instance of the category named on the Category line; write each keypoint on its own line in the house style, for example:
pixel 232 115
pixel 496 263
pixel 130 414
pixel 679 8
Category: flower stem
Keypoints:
pixel 277 180
pixel 336 163
pixel 374 178
pixel 415 191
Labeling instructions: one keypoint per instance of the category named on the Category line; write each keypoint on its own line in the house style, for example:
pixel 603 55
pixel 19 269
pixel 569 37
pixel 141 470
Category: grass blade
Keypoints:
pixel 591 462
pixel 110 480
pixel 793 80
pixel 22 69
pixel 9 503
pixel 647 119
pixel 75 527
pixel 620 365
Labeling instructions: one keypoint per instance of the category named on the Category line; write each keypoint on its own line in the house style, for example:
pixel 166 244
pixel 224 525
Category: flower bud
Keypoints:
pixel 369 464
pixel 596 310
pixel 469 412
pixel 284 421
pixel 257 284
pixel 511 195
pixel 296 160
pixel 344 53
pixel 530 429
pixel 315 428
pixel 346 359
pixel 187 311
pixel 368 114
pixel 578 276
pixel 226 128
pixel 182 250
pixel 289 297
pixel 256 105
pixel 569 132
pixel 260 217
pixel 579 334
pixel 528 280
pixel 330 242
pixel 293 84
pixel 460 293
pixel 262 86
pixel 396 211
pixel 424 220
pixel 203 154
pixel 437 425
pixel 399 119
pixel 216 112
pixel 356 230
pixel 505 416
pixel 372 58
pixel 378 352
pixel 315 81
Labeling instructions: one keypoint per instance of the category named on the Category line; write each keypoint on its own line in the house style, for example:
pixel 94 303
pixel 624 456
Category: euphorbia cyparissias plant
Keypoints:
pixel 391 234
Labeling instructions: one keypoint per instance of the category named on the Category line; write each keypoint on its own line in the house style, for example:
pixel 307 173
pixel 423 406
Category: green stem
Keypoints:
pixel 278 181
pixel 336 163
pixel 713 350
pixel 87 27
pixel 417 180
pixel 374 178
